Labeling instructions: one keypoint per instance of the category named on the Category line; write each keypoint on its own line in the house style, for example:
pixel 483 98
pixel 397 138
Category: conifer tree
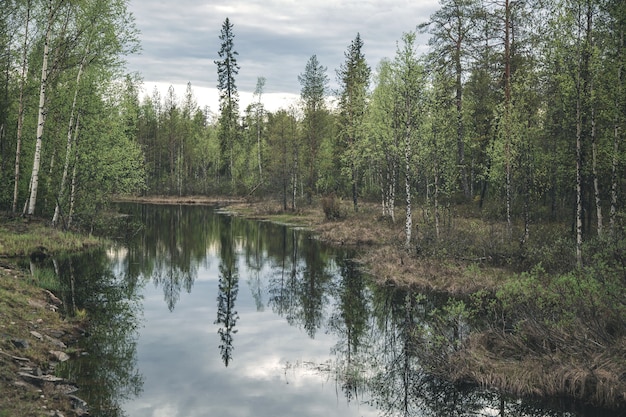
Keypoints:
pixel 354 78
pixel 314 82
pixel 227 69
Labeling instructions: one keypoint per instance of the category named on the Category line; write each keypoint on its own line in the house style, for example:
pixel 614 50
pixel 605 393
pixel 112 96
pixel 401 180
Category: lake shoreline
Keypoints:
pixel 488 359
pixel 585 372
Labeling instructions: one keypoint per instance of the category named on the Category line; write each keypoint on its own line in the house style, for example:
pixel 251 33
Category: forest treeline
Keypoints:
pixel 506 137
pixel 517 108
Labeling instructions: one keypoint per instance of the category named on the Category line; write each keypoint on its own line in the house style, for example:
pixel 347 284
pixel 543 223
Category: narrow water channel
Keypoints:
pixel 197 313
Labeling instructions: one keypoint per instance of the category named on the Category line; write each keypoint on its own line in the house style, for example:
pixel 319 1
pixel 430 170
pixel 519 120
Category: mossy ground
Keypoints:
pixel 24 307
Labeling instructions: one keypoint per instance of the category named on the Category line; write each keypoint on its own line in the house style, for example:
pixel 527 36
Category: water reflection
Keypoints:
pixel 246 317
pixel 228 288
pixel 107 370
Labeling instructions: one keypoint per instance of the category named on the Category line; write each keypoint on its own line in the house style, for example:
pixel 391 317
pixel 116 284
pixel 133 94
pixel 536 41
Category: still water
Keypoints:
pixel 198 313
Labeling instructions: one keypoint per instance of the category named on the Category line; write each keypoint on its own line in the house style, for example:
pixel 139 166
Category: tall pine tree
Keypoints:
pixel 354 78
pixel 314 82
pixel 227 68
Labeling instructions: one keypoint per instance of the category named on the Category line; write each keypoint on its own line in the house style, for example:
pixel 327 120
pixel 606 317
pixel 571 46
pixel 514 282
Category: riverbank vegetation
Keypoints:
pixel 496 161
pixel 34 336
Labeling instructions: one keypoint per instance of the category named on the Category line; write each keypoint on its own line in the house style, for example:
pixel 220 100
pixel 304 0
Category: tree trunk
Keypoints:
pixel 68 147
pixel 579 185
pixel 617 133
pixel 42 114
pixel 70 215
pixel 20 113
pixel 407 184
pixel 594 145
pixel 436 199
pixel 355 191
pixel 507 113
pixel 459 121
pixel 594 169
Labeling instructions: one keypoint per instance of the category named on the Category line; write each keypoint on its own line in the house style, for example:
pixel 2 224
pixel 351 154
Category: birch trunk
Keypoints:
pixel 70 215
pixel 594 169
pixel 616 136
pixel 20 113
pixel 407 184
pixel 42 114
pixel 594 145
pixel 68 148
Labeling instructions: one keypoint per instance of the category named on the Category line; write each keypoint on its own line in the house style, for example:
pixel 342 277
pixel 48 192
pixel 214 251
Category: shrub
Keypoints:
pixel 332 207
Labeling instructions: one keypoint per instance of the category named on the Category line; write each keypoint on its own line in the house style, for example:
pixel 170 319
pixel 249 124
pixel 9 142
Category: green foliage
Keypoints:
pixel 589 300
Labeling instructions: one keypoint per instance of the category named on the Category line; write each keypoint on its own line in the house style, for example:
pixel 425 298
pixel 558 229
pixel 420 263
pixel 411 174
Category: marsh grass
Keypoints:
pixel 19 238
pixel 493 360
pixel 47 279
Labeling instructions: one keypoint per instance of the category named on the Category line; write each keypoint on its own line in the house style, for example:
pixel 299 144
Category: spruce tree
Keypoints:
pixel 353 77
pixel 227 68
pixel 314 82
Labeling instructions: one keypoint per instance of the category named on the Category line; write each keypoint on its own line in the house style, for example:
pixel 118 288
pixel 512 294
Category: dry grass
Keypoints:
pixel 21 237
pixel 392 265
pixel 505 362
pixel 189 200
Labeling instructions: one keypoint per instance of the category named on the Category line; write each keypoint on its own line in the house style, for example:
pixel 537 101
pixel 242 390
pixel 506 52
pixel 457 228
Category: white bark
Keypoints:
pixel 408 228
pixel 20 112
pixel 73 185
pixel 594 169
pixel 594 145
pixel 42 115
pixel 68 148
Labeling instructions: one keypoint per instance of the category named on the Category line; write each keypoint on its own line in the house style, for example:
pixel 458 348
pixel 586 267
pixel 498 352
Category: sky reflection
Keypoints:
pixel 272 372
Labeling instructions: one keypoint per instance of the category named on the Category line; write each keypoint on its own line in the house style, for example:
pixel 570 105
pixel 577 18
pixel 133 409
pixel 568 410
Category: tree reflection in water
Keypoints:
pixel 107 373
pixel 386 338
pixel 228 288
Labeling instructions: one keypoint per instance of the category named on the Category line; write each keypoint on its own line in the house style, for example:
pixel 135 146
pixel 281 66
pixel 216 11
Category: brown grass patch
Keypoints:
pixel 503 362
pixel 188 200
pixel 390 264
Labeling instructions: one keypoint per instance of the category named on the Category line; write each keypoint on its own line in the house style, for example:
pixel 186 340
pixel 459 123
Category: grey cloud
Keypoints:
pixel 274 38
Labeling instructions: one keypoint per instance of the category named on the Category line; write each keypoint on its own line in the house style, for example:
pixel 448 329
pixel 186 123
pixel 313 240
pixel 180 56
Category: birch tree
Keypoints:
pixel 383 136
pixel 52 8
pixel 409 89
pixel 103 32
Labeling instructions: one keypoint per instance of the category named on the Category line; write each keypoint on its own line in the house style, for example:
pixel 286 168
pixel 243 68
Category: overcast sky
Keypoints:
pixel 274 39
